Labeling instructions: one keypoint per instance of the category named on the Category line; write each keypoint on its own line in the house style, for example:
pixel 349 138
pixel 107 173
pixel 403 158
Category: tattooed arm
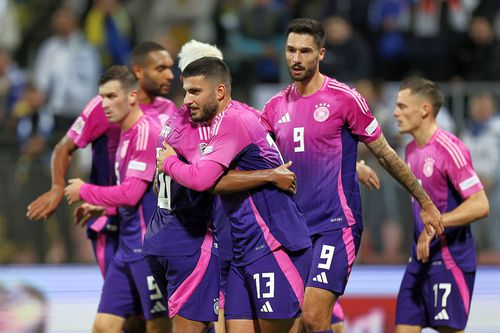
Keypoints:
pixel 398 169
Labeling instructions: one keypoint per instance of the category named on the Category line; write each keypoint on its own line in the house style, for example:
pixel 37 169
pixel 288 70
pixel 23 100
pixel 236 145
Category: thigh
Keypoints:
pixel 119 296
pixel 451 292
pixel 277 283
pixel 193 286
pixel 333 256
pixel 149 299
pixel 410 305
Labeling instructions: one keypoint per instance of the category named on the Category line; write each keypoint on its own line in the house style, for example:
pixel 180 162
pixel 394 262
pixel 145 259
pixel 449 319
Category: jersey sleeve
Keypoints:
pixel 360 120
pixel 227 142
pixel 142 162
pixel 460 170
pixel 264 118
pixel 90 124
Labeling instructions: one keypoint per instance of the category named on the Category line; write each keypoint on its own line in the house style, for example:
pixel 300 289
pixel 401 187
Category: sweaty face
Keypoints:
pixel 157 73
pixel 408 112
pixel 200 98
pixel 302 56
pixel 114 101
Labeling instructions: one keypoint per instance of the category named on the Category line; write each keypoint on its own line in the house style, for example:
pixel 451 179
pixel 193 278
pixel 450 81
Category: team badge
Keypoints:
pixel 428 167
pixel 322 112
pixel 202 147
pixel 123 152
pixel 216 306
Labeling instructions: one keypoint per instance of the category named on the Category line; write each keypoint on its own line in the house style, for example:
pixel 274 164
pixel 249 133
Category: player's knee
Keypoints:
pixel 104 324
pixel 313 319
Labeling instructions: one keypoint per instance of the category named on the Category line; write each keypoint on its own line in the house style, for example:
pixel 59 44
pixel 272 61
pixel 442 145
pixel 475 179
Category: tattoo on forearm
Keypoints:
pixel 397 168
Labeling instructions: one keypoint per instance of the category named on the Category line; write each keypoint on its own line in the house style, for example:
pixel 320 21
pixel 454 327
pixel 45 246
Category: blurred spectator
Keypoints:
pixel 23 309
pixel 387 21
pixel 66 68
pixel 256 43
pixel 108 27
pixel 348 56
pixel 482 136
pixel 12 82
pixel 10 36
pixel 381 208
pixel 478 58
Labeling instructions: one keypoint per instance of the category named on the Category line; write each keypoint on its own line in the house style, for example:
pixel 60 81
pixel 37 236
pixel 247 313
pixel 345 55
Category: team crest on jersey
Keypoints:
pixel 428 167
pixel 202 147
pixel 165 131
pixel 322 112
pixel 216 306
pixel 123 152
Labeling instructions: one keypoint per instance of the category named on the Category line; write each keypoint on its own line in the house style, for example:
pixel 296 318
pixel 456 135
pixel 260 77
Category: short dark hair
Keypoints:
pixel 211 68
pixel 307 26
pixel 426 88
pixel 121 74
pixel 141 51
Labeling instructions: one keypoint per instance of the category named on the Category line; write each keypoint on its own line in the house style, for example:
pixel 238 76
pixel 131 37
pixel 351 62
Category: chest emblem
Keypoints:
pixel 428 168
pixel 123 151
pixel 322 112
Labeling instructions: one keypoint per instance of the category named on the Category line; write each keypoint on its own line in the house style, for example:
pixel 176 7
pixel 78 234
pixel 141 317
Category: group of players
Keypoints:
pixel 231 226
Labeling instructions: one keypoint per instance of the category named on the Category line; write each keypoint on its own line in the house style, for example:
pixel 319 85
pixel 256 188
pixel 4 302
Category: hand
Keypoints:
pixel 367 176
pixel 72 191
pixel 85 212
pixel 284 179
pixel 46 204
pixel 431 218
pixel 423 246
pixel 162 155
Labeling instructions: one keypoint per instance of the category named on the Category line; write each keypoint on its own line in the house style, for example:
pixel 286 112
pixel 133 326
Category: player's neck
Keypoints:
pixel 221 108
pixel 131 119
pixel 424 134
pixel 144 98
pixel 306 88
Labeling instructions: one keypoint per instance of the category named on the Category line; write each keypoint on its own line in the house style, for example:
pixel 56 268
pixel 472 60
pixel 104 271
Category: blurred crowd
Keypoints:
pixel 52 52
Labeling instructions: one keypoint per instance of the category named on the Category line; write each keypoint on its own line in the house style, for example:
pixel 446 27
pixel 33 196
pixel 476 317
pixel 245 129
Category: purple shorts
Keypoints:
pixel 272 287
pixel 224 271
pixel 103 233
pixel 337 313
pixel 191 283
pixel 438 299
pixel 130 289
pixel 333 256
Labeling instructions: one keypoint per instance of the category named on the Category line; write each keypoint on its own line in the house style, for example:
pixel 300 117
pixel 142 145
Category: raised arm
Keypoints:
pixel 43 206
pixel 398 169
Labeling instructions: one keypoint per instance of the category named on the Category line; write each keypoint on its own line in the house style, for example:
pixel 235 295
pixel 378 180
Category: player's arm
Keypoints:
pixel 128 193
pixel 475 207
pixel 200 177
pixel 398 169
pixel 43 206
pixel 367 176
pixel 239 181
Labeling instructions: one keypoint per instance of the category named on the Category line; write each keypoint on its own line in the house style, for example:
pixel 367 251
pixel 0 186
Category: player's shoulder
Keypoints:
pixel 93 106
pixel 279 97
pixel 451 147
pixel 340 89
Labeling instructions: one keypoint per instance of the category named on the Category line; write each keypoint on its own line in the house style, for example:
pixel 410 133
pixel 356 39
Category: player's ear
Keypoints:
pixel 322 53
pixel 139 73
pixel 426 110
pixel 220 92
pixel 133 96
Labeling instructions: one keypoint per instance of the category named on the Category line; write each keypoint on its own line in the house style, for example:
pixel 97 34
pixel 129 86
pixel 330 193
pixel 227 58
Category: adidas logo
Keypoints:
pixel 284 119
pixel 442 315
pixel 266 307
pixel 321 278
pixel 158 308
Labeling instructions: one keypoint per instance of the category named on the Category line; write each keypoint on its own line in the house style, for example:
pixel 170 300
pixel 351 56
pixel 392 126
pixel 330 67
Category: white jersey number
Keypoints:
pixel 298 137
pixel 153 287
pixel 327 254
pixel 164 192
pixel 447 290
pixel 269 284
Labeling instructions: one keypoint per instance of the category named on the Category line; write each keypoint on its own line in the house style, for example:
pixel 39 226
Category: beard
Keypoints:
pixel 305 76
pixel 206 112
pixel 152 88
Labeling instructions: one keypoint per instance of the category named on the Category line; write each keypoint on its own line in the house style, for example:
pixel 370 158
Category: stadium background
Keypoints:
pixel 371 44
